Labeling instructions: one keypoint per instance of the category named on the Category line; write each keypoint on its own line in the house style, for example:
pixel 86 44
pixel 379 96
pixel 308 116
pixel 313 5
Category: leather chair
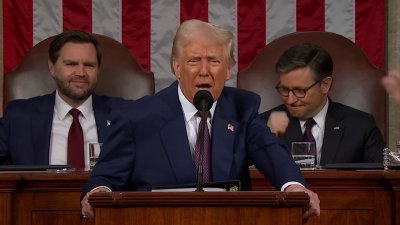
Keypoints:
pixel 356 80
pixel 119 76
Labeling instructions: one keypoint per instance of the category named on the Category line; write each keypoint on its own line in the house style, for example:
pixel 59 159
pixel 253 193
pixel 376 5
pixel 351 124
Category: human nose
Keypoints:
pixel 204 67
pixel 80 70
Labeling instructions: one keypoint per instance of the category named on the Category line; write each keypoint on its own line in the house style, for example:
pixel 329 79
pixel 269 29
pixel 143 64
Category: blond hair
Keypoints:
pixel 192 28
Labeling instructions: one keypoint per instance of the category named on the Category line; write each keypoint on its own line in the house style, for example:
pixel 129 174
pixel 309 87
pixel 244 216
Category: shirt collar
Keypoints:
pixel 62 108
pixel 320 117
pixel 189 110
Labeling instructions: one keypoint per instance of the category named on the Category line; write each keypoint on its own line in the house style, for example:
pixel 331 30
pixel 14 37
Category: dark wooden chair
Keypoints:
pixel 119 76
pixel 356 79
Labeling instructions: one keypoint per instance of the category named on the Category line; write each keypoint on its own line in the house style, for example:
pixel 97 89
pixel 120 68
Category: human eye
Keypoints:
pixel 299 92
pixel 90 65
pixel 282 90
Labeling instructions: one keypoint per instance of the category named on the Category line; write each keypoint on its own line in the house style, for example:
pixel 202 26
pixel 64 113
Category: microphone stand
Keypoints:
pixel 203 123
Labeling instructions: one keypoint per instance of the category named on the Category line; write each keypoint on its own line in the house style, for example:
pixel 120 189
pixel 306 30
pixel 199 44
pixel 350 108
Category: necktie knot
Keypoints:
pixel 310 123
pixel 75 113
pixel 206 114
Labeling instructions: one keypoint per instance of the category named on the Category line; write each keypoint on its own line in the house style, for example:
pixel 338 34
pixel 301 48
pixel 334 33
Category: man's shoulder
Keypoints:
pixel 346 110
pixel 26 104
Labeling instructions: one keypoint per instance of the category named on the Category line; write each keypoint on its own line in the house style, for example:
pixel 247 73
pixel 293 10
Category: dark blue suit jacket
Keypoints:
pixel 25 129
pixel 351 136
pixel 150 146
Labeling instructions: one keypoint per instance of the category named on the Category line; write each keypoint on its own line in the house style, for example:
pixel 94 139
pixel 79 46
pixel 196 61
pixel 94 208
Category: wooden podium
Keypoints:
pixel 211 208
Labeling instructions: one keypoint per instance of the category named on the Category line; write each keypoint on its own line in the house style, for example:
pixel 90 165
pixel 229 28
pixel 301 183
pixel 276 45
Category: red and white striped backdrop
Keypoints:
pixel 146 27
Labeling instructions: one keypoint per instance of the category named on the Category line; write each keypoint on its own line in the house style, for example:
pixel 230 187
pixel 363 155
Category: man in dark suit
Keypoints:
pixel 342 134
pixel 155 142
pixel 35 131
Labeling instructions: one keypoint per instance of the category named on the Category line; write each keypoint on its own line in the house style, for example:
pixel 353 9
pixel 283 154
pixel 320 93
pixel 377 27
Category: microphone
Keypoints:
pixel 203 101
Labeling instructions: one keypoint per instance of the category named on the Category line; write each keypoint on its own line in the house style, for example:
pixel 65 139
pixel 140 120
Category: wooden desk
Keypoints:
pixel 351 197
pixel 347 197
pixel 199 208
pixel 41 198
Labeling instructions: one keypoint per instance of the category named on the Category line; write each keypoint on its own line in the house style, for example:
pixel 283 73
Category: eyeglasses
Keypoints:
pixel 298 92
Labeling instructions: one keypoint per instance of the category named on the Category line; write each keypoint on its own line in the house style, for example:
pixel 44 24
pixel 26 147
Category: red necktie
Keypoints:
pixel 207 176
pixel 308 136
pixel 75 142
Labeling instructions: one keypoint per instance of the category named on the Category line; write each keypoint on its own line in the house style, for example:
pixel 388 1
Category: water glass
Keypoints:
pixel 305 155
pixel 94 152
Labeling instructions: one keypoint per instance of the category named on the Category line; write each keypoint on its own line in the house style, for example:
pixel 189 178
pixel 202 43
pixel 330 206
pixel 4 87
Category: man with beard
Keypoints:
pixel 342 134
pixel 35 131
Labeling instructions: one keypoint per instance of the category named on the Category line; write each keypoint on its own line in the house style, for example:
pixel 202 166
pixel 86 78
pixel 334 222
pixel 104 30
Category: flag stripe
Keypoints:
pixel 17 31
pixel 310 15
pixel 251 39
pixel 107 18
pixel 147 27
pixel 224 14
pixel 370 29
pixel 193 10
pixel 343 24
pixel 43 27
pixel 77 15
pixel 136 32
pixel 280 18
pixel 165 17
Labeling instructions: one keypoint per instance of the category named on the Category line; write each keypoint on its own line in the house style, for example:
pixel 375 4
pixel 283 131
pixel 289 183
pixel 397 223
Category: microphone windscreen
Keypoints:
pixel 203 100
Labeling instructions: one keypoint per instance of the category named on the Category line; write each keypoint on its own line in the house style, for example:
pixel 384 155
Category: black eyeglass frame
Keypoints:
pixel 298 92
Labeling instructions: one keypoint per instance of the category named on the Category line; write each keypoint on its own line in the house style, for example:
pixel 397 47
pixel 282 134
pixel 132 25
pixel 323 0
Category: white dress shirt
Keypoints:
pixel 62 121
pixel 318 129
pixel 191 120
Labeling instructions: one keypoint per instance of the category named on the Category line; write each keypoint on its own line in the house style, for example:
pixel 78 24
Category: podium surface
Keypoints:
pixel 347 197
pixel 211 208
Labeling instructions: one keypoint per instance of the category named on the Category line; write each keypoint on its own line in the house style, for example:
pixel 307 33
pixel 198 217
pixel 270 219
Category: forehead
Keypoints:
pixel 78 48
pixel 297 77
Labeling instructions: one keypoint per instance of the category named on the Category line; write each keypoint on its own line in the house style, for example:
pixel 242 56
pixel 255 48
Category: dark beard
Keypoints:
pixel 65 89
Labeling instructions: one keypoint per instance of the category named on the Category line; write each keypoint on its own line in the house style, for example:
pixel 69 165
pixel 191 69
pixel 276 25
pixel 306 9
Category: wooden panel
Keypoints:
pixel 355 196
pixel 54 217
pixel 344 217
pixel 199 216
pixel 5 208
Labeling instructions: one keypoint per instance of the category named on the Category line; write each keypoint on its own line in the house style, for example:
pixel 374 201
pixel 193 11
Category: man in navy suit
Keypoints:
pixel 34 131
pixel 153 142
pixel 342 134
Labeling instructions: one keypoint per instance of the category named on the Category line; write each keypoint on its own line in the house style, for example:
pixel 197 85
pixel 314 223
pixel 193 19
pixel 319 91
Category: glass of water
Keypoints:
pixel 94 152
pixel 305 155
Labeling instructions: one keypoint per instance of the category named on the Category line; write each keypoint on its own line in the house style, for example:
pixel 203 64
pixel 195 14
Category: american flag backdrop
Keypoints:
pixel 146 27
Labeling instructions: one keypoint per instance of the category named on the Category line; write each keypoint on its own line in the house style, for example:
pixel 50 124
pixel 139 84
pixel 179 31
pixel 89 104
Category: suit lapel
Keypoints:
pixel 41 129
pixel 101 112
pixel 224 129
pixel 176 144
pixel 332 136
pixel 223 138
pixel 174 136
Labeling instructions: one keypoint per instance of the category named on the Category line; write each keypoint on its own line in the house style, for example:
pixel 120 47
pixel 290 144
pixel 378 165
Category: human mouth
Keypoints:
pixel 203 86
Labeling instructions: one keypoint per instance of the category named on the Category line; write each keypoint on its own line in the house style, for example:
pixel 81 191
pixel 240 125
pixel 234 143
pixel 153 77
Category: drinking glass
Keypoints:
pixel 94 152
pixel 305 155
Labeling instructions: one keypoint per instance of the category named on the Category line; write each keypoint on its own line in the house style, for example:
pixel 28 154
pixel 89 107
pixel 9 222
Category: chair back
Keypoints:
pixel 356 80
pixel 119 75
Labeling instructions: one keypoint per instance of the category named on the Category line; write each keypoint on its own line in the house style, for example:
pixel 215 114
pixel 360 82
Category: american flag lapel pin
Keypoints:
pixel 108 123
pixel 231 127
